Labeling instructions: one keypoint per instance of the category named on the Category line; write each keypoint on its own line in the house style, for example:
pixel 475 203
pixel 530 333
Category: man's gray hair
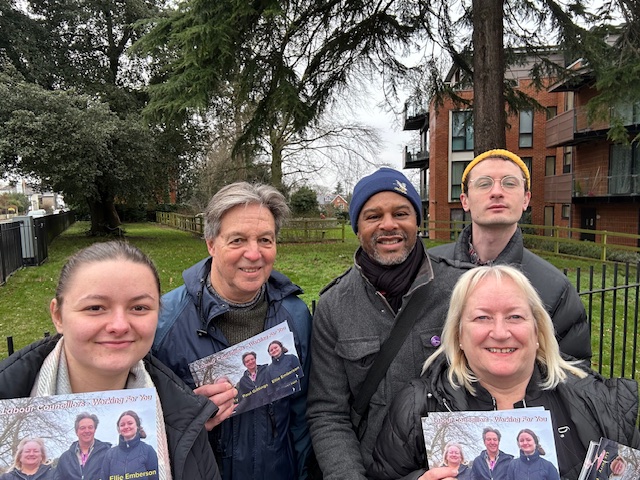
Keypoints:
pixel 243 193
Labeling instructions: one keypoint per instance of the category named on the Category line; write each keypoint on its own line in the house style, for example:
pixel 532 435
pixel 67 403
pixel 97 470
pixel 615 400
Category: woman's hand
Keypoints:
pixel 440 473
pixel 223 395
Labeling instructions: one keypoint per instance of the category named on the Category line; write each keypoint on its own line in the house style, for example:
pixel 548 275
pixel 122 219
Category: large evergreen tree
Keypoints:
pixel 289 60
pixel 81 48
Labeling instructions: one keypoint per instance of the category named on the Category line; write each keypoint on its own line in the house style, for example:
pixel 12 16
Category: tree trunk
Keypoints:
pixel 489 118
pixel 276 158
pixel 104 217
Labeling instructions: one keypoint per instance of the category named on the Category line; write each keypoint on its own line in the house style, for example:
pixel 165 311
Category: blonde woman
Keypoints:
pixel 30 462
pixel 499 352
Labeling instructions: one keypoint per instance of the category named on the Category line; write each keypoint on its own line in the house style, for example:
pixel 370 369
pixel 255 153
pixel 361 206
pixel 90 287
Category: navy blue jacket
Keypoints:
pixel 248 396
pixel 531 467
pixel 133 456
pixel 481 470
pixel 284 374
pixel 265 443
pixel 69 468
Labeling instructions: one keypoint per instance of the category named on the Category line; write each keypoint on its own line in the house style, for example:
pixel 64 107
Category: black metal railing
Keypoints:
pixel 612 308
pixel 10 250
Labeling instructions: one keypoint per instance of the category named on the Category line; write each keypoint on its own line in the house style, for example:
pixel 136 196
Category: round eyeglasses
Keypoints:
pixel 485 183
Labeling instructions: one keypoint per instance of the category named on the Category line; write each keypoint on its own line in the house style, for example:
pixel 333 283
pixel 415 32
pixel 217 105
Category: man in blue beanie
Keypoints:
pixel 355 316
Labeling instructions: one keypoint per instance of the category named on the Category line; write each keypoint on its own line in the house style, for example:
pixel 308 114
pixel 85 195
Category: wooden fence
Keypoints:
pixel 294 230
pixel 605 245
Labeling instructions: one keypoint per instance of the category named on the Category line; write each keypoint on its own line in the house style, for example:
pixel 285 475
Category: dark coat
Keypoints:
pixel 350 323
pixel 132 456
pixel 250 398
pixel 560 298
pixel 267 442
pixel 184 413
pixel 69 468
pixel 598 407
pixel 531 467
pixel 481 470
pixel 284 374
pixel 45 472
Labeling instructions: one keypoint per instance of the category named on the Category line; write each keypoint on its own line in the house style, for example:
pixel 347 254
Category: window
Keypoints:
pixel 456 179
pixel 528 161
pixel 461 131
pixel 624 168
pixel 549 220
pixel 526 129
pixel 567 154
pixel 566 211
pixel 552 112
pixel 550 165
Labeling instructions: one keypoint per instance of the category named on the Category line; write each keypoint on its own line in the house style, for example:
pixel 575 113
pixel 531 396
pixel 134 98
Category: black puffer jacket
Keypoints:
pixel 184 412
pixel 598 408
pixel 45 472
pixel 558 295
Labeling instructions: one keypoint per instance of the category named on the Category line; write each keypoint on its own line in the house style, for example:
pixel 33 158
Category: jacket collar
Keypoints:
pixel 512 252
pixel 458 399
pixel 210 306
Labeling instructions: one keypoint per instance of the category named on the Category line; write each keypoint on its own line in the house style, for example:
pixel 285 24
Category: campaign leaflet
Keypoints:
pixel 607 459
pixel 263 368
pixel 465 429
pixel 52 419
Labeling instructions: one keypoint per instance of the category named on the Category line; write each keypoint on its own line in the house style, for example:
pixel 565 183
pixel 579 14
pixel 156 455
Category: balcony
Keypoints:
pixel 573 126
pixel 606 186
pixel 415 159
pixel 416 117
pixel 558 188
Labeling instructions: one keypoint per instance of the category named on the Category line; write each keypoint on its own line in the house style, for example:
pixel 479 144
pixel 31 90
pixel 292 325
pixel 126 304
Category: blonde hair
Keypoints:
pixel 447 447
pixel 548 352
pixel 17 464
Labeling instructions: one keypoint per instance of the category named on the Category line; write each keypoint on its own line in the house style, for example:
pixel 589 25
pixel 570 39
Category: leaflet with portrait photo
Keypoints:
pixel 465 429
pixel 263 368
pixel 607 459
pixel 52 420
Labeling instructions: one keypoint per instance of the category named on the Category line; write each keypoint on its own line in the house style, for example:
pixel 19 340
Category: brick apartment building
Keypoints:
pixel 578 178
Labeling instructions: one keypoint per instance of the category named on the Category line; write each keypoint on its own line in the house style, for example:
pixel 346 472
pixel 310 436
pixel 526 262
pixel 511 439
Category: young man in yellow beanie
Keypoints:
pixel 389 305
pixel 496 189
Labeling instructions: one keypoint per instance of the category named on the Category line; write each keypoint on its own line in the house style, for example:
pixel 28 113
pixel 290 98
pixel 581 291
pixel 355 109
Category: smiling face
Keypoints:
pixel 86 432
pixel 453 456
pixel 250 363
pixel 497 206
pixel 275 350
pixel 127 427
pixel 108 317
pixel 243 253
pixel 526 443
pixel 491 443
pixel 498 334
pixel 31 456
pixel 387 228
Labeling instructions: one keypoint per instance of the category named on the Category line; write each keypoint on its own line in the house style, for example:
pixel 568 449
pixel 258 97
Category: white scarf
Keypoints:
pixel 53 379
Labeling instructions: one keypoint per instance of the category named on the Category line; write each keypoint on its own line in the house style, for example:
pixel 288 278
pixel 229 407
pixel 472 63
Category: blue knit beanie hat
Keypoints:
pixel 383 180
